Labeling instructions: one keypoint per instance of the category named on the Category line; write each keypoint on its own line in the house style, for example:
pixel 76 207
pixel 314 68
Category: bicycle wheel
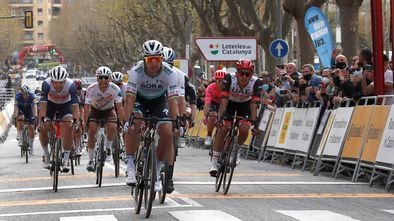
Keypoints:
pixel 25 144
pixel 72 160
pixel 163 177
pixel 231 159
pixel 100 161
pixel 219 176
pixel 149 179
pixel 56 164
pixel 139 187
pixel 115 154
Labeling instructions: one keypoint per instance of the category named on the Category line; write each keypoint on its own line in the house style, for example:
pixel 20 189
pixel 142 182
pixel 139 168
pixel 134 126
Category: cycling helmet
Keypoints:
pixel 78 84
pixel 245 64
pixel 58 74
pixel 219 74
pixel 103 71
pixel 152 47
pixel 24 88
pixel 117 77
pixel 168 54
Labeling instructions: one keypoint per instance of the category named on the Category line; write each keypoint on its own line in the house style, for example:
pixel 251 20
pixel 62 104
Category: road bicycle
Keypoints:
pixel 24 145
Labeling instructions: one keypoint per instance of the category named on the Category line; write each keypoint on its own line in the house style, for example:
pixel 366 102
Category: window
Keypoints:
pixel 28 36
pixel 39 22
pixel 40 35
pixel 39 11
pixel 39 1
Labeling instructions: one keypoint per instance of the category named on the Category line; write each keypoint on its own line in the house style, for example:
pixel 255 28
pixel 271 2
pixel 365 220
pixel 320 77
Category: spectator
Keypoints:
pixel 312 82
pixel 341 79
pixel 388 80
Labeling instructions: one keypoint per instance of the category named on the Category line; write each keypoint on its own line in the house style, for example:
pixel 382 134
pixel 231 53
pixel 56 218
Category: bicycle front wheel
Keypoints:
pixel 100 162
pixel 231 159
pixel 163 179
pixel 138 190
pixel 25 144
pixel 56 164
pixel 115 154
pixel 149 180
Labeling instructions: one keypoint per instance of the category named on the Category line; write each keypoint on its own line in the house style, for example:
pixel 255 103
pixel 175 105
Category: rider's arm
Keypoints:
pixel 255 99
pixel 74 101
pixel 207 99
pixel 44 100
pixel 226 84
pixel 16 109
pixel 119 106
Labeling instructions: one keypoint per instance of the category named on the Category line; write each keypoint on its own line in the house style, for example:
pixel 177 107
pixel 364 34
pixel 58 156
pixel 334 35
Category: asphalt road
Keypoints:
pixel 260 191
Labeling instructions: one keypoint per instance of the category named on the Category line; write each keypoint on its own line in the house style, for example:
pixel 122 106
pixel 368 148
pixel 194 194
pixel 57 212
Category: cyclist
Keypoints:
pixel 101 99
pixel 59 94
pixel 213 95
pixel 117 78
pixel 81 101
pixel 241 94
pixel 25 108
pixel 152 90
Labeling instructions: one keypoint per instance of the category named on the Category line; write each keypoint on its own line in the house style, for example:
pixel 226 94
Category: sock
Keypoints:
pixel 66 155
pixel 108 145
pixel 19 134
pixel 130 161
pixel 91 154
pixel 31 142
pixel 159 165
pixel 77 144
pixel 45 150
pixel 215 156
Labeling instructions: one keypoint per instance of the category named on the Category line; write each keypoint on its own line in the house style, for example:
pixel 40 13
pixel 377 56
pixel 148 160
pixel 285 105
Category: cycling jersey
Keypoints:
pixel 232 90
pixel 190 94
pixel 181 81
pixel 103 100
pixel 67 94
pixel 212 93
pixel 81 97
pixel 25 105
pixel 166 83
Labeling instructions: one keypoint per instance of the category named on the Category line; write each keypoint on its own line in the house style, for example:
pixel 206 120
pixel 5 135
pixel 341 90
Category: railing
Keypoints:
pixel 6 94
pixel 21 1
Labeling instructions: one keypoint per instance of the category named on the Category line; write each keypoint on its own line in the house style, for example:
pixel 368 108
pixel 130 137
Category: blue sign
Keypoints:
pixel 279 48
pixel 320 32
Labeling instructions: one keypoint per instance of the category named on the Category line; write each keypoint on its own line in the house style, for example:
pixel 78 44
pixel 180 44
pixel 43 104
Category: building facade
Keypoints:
pixel 44 11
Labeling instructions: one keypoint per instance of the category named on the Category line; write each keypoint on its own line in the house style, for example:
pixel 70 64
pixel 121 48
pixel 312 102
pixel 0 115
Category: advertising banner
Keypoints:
pixel 293 141
pixel 284 128
pixel 357 132
pixel 386 147
pixel 310 123
pixel 319 30
pixel 273 136
pixel 326 132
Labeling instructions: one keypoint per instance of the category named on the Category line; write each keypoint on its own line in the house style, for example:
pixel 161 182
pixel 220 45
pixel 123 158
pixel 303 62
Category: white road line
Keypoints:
pixel 389 211
pixel 89 218
pixel 86 211
pixel 313 215
pixel 206 215
pixel 179 183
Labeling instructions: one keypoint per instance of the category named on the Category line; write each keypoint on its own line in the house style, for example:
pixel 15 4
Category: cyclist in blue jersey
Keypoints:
pixel 25 108
pixel 59 95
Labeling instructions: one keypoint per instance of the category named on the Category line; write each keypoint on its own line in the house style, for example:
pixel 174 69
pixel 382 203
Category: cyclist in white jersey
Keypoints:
pixel 117 78
pixel 151 91
pixel 81 101
pixel 59 94
pixel 240 93
pixel 101 99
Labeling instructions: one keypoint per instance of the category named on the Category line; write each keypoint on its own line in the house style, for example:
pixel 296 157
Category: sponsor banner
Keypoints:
pixel 319 30
pixel 284 128
pixel 375 132
pixel 326 130
pixel 276 122
pixel 264 120
pixel 386 147
pixel 338 131
pixel 198 123
pixel 310 123
pixel 295 129
pixel 357 131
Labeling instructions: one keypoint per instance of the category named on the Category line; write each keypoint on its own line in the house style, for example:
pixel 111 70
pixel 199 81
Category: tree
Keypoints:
pixel 348 14
pixel 8 39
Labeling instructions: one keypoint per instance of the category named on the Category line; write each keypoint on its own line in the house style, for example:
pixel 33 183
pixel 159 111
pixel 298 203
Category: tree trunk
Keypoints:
pixel 348 11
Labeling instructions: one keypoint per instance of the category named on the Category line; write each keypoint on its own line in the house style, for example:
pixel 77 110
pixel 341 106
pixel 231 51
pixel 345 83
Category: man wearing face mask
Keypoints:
pixel 312 81
pixel 341 77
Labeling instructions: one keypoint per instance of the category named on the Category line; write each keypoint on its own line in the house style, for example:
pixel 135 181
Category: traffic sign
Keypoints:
pixel 279 48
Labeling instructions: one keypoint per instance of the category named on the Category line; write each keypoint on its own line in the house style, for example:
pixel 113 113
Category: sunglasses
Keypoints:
pixel 151 59
pixel 103 77
pixel 244 73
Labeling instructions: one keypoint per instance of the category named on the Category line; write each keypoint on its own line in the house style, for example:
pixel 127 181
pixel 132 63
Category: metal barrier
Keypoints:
pixel 6 94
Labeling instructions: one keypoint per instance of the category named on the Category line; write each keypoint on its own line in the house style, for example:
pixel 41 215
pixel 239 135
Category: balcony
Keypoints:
pixel 57 3
pixel 21 3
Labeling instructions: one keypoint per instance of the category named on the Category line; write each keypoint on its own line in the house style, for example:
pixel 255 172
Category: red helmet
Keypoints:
pixel 219 74
pixel 245 64
pixel 78 84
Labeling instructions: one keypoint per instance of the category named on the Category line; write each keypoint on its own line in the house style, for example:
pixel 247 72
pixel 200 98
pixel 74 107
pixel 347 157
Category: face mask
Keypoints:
pixel 340 65
pixel 308 77
pixel 266 87
pixel 326 80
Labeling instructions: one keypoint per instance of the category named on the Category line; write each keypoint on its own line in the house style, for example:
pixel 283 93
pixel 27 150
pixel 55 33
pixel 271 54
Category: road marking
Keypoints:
pixel 199 196
pixel 206 215
pixel 389 211
pixel 313 215
pixel 89 218
pixel 179 183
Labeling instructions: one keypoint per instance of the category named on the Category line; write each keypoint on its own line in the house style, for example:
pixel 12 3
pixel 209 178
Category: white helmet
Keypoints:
pixel 152 47
pixel 25 88
pixel 59 73
pixel 168 55
pixel 103 71
pixel 117 77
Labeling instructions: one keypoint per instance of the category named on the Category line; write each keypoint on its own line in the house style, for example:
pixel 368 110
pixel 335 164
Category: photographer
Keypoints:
pixel 342 81
pixel 311 82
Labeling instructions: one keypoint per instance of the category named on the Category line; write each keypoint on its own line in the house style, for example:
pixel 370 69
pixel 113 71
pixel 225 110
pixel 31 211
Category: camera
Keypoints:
pixel 368 67
pixel 280 66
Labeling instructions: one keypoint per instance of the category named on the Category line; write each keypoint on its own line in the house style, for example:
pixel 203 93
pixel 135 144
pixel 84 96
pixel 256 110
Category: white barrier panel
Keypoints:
pixel 386 147
pixel 338 131
pixel 284 127
pixel 296 127
pixel 265 120
pixel 325 130
pixel 273 137
pixel 310 124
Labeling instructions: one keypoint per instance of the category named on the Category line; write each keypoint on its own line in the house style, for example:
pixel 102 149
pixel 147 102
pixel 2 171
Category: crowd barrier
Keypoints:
pixel 355 141
pixel 5 119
